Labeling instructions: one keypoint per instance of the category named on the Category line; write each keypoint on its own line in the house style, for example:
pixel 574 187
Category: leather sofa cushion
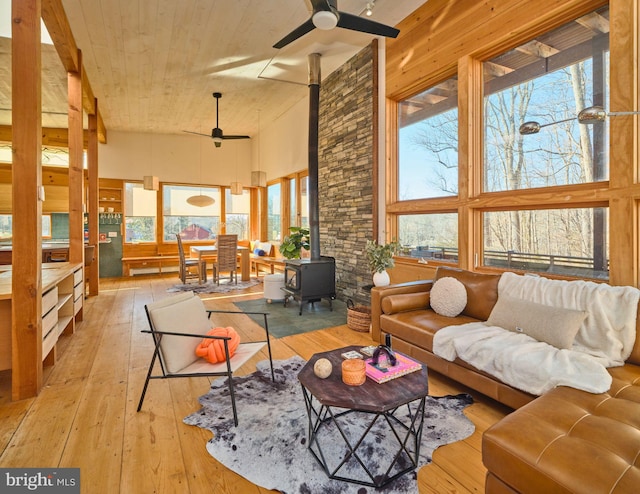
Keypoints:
pixel 482 290
pixel 407 301
pixel 571 441
pixel 418 326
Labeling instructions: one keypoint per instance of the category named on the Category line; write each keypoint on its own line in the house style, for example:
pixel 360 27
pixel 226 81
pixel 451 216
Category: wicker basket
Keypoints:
pixel 358 317
pixel 353 372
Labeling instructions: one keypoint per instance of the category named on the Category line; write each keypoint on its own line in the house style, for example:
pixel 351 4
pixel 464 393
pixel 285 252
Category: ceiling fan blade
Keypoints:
pixel 295 34
pixel 235 137
pixel 196 133
pixel 355 23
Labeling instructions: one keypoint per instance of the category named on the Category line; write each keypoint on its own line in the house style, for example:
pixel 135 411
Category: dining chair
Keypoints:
pixel 186 268
pixel 178 324
pixel 227 257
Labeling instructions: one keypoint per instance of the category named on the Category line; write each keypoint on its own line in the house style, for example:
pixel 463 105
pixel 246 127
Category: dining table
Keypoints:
pixel 204 252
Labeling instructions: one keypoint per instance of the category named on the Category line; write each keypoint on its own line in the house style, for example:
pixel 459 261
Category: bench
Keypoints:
pixel 270 263
pixel 143 262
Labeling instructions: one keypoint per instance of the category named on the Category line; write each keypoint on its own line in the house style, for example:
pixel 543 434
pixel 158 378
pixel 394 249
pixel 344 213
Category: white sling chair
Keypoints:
pixel 178 324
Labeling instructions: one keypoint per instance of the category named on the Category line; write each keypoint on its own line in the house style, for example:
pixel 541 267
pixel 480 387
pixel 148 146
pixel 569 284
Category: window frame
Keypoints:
pixel 472 201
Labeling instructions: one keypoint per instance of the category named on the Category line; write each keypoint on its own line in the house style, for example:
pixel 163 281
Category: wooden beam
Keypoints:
pixel 26 297
pixel 537 49
pixel 594 21
pixel 76 166
pixel 92 206
pixel 52 137
pixel 55 19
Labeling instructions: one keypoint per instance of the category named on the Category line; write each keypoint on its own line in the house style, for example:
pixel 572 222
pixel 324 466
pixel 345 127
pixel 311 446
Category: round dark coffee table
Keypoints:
pixel 392 412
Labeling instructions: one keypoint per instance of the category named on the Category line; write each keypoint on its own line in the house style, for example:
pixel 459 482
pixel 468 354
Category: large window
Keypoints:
pixel 6 226
pixel 428 143
pixel 544 87
pixel 191 222
pixel 274 207
pixel 429 236
pixel 533 139
pixel 571 242
pixel 524 179
pixel 140 213
pixel 237 213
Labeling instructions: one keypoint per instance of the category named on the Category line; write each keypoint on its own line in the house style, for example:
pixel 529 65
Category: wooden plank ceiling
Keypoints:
pixel 154 64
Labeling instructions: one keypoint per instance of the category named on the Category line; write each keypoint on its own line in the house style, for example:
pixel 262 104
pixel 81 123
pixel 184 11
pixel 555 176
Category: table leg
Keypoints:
pixel 245 265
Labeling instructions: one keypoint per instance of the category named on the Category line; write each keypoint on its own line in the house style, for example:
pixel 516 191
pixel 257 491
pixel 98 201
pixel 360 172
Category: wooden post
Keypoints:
pixel 76 168
pixel 92 206
pixel 26 297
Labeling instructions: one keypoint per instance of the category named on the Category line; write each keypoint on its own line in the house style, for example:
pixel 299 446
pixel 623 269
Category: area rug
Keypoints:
pixel 286 321
pixel 269 446
pixel 212 287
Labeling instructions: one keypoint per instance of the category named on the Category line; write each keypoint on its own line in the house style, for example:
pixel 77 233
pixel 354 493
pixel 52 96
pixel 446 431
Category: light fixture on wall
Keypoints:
pixel 259 178
pixel 595 114
pixel 587 116
pixel 200 200
pixel 533 127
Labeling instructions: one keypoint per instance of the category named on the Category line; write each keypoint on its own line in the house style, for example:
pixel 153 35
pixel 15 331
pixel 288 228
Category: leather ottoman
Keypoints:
pixel 569 441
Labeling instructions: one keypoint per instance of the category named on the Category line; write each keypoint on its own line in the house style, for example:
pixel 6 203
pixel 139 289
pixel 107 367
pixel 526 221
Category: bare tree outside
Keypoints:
pixel 550 91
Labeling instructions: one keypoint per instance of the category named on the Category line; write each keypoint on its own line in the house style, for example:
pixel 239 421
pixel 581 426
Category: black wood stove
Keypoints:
pixel 310 280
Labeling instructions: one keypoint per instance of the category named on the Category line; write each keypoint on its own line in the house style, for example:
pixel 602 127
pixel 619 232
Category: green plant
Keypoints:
pixel 292 245
pixel 380 257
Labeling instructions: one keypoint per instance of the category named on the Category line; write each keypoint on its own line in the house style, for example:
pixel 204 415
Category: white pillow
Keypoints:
pixel 448 297
pixel 184 316
pixel 556 326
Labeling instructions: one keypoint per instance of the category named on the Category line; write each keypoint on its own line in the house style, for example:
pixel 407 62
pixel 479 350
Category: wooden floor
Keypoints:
pixel 85 416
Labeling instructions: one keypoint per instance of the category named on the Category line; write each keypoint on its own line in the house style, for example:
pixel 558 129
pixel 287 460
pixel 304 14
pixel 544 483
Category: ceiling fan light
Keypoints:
pixel 217 141
pixel 200 201
pixel 325 20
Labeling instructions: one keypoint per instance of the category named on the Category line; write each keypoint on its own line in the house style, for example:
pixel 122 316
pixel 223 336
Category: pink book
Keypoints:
pixel 381 374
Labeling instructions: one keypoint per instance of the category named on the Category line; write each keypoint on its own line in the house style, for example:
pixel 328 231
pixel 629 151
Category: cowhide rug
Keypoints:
pixel 269 446
pixel 225 286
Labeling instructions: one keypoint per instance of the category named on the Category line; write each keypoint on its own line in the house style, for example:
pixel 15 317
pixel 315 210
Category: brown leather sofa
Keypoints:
pixel 402 311
pixel 566 441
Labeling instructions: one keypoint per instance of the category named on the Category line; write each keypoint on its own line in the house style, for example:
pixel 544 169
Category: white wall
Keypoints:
pixel 282 149
pixel 175 158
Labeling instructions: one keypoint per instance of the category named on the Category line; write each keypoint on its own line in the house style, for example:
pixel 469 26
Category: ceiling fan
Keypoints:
pixel 326 16
pixel 216 134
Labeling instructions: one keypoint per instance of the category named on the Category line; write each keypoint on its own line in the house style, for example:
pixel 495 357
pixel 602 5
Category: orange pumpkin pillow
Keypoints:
pixel 212 350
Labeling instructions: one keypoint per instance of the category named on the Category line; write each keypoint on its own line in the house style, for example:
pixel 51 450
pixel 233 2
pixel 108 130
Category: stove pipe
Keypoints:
pixel 314 206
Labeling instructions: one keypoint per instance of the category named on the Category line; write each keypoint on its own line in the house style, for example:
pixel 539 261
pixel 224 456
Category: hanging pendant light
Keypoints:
pixel 151 182
pixel 236 187
pixel 200 200
pixel 259 178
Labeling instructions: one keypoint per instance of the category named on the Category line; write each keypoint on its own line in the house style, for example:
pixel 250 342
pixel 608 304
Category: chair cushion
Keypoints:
pixel 184 315
pixel 213 350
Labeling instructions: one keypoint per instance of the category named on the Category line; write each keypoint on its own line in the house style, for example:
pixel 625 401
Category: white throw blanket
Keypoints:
pixel 605 338
pixel 520 361
pixel 609 330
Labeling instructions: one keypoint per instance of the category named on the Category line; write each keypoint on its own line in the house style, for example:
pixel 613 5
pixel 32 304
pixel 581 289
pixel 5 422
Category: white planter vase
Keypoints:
pixel 381 279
